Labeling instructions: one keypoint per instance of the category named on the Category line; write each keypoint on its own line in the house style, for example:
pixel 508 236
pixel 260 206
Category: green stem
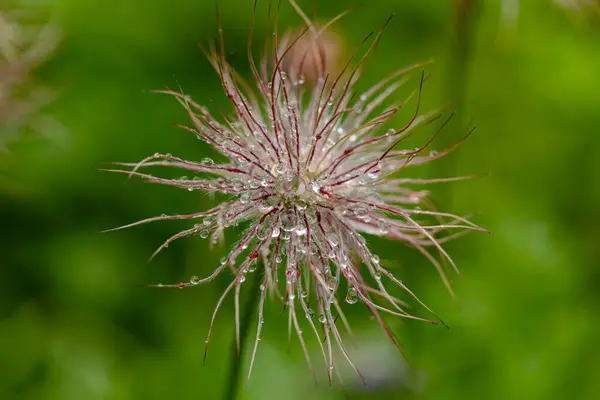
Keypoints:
pixel 465 18
pixel 465 13
pixel 237 358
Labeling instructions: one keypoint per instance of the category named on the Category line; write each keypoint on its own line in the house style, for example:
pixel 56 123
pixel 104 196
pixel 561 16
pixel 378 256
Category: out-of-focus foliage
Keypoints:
pixel 582 10
pixel 26 40
pixel 73 323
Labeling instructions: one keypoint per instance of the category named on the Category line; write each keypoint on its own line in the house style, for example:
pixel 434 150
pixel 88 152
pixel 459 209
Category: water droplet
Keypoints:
pixel 301 204
pixel 262 286
pixel 383 228
pixel 275 232
pixel 374 198
pixel 263 232
pixel 280 170
pixel 363 97
pixel 331 283
pixel 203 234
pixel 207 162
pixel 270 85
pixel 310 313
pixel 264 207
pixel 244 198
pixel 374 172
pixel 351 296
pixel 333 239
pixel 251 267
pixel 242 277
pixel 322 318
pixel 194 280
pixel 288 222
pixel 315 187
pixel 360 211
pixel 375 259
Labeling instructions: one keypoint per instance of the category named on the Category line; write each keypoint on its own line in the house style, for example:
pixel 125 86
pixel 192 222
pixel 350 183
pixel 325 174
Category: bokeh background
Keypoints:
pixel 74 325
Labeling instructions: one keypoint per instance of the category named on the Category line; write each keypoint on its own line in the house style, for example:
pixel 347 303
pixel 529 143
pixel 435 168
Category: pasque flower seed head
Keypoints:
pixel 310 168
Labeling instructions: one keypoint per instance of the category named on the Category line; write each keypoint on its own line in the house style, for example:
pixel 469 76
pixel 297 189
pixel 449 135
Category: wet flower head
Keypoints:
pixel 311 170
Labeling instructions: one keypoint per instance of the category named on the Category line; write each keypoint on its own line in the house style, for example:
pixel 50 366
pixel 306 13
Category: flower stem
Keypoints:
pixel 238 358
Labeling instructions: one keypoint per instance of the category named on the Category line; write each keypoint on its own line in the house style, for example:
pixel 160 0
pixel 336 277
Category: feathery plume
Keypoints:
pixel 311 170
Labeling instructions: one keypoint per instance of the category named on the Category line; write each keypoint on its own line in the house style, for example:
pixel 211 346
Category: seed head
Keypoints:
pixel 311 170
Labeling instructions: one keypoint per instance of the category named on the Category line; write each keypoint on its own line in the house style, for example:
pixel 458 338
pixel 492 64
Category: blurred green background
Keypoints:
pixel 74 325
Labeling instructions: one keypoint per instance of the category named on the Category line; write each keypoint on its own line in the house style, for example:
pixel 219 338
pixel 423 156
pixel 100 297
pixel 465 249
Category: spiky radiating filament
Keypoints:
pixel 310 171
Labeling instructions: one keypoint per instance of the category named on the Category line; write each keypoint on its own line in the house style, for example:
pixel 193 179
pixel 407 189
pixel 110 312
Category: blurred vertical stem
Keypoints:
pixel 464 18
pixel 237 359
pixel 463 36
